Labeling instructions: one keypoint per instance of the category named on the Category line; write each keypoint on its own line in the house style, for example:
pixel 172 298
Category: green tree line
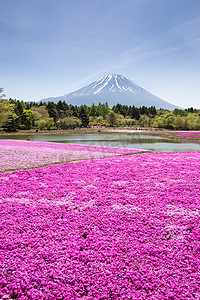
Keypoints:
pixel 21 115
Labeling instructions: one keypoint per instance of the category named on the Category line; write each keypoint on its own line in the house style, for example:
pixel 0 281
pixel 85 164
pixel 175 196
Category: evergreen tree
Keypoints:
pixel 73 110
pixel 51 107
pixel 93 111
pixel 19 108
pixel 152 111
pixel 83 115
pixel 135 114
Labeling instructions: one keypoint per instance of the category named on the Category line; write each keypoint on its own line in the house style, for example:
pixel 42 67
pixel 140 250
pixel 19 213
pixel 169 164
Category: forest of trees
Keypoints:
pixel 17 115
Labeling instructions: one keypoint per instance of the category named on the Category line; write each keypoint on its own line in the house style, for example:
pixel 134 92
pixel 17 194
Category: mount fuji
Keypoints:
pixel 113 89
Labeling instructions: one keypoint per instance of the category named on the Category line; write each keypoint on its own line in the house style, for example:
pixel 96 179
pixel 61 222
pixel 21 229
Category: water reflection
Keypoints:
pixel 139 141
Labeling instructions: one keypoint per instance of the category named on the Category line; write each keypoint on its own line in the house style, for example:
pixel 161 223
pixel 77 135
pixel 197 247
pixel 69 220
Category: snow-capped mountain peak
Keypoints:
pixel 113 89
pixel 112 83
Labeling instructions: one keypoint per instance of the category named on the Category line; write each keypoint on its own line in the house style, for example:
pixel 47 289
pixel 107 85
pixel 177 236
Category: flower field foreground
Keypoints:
pixel 115 228
pixel 16 154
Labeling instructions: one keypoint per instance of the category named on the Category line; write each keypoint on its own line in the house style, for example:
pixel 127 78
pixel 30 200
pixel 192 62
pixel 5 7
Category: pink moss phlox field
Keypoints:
pixel 188 134
pixel 16 154
pixel 125 227
pixel 194 134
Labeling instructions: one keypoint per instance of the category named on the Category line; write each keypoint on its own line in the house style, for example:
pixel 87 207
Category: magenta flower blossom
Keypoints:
pixel 192 134
pixel 15 155
pixel 115 228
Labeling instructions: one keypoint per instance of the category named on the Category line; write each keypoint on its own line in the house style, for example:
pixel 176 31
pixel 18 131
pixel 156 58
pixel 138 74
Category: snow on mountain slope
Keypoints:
pixel 109 83
pixel 113 89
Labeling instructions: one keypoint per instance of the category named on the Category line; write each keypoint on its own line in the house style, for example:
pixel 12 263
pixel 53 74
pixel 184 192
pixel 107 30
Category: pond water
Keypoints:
pixel 139 141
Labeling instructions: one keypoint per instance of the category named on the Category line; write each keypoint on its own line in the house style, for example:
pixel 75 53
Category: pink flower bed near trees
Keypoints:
pixel 189 134
pixel 114 228
pixel 194 134
pixel 25 154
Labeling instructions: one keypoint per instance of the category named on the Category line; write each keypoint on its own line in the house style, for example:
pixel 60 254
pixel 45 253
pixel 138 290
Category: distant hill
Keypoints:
pixel 113 89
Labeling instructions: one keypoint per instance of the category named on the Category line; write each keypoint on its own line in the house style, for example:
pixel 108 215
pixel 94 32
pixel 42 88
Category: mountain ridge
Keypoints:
pixel 113 89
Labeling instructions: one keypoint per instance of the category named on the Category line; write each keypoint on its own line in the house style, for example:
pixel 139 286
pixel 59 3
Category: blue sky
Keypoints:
pixel 53 47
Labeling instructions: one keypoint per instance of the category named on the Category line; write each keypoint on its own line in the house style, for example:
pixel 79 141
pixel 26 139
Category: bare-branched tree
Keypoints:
pixel 1 95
